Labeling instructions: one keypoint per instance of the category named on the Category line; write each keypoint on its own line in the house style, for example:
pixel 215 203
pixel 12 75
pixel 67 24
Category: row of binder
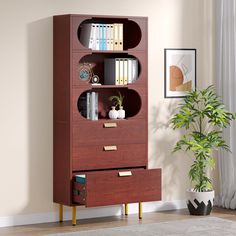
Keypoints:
pixel 88 105
pixel 120 71
pixel 102 36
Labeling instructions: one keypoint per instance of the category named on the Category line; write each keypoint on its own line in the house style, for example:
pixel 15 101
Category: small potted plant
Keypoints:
pixel 117 101
pixel 203 115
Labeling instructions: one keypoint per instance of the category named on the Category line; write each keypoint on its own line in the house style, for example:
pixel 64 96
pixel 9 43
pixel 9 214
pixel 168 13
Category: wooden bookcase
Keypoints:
pixel 78 145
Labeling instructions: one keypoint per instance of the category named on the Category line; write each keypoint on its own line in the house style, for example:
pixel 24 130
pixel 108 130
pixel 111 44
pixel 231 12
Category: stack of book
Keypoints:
pixel 102 36
pixel 88 105
pixel 80 179
pixel 120 71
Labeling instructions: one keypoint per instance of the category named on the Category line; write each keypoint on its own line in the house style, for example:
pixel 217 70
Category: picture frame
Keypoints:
pixel 180 71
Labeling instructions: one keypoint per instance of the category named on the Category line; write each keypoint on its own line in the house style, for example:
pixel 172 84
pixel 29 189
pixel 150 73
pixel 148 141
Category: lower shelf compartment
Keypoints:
pixel 103 188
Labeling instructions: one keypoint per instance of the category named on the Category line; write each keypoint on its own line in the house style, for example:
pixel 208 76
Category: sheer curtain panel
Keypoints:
pixel 226 88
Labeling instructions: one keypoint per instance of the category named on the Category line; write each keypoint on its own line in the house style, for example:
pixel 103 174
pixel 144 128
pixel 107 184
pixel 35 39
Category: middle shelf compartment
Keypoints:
pixel 109 68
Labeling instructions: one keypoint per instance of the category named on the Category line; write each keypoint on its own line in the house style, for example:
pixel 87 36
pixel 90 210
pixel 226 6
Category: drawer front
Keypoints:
pixel 110 187
pixel 96 132
pixel 109 156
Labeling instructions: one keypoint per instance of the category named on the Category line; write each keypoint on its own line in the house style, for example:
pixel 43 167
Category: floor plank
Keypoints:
pixel 108 222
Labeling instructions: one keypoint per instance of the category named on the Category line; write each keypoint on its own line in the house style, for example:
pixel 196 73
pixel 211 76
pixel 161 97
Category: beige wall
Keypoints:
pixel 26 90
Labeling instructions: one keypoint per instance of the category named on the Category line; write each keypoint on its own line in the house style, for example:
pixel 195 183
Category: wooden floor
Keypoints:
pixel 49 228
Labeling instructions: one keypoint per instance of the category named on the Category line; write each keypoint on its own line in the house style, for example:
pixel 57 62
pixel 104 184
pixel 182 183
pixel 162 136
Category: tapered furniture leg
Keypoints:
pixel 140 215
pixel 60 213
pixel 74 216
pixel 126 209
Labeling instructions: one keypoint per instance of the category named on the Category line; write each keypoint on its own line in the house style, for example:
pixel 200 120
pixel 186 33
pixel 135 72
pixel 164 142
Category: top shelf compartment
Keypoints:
pixel 133 30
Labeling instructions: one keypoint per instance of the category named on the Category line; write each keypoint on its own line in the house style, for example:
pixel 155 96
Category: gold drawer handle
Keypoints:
pixel 110 148
pixel 125 173
pixel 109 125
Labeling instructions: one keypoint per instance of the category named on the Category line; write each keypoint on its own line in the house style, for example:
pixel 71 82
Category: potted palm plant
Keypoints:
pixel 203 115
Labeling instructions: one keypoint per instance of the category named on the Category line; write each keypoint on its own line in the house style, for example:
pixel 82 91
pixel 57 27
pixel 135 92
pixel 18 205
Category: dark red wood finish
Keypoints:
pixel 108 188
pixel 96 60
pixel 94 133
pixel 61 111
pixel 135 100
pixel 95 157
pixel 135 30
pixel 79 143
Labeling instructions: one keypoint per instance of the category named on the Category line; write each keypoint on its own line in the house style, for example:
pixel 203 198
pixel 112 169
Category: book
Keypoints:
pixel 117 71
pixel 134 70
pixel 111 71
pixel 111 37
pixel 115 37
pixel 130 71
pixel 96 106
pixel 80 179
pixel 88 105
pixel 121 71
pixel 125 75
pixel 92 42
pixel 97 39
pixel 120 37
pixel 86 35
pixel 107 37
pixel 100 29
pixel 104 36
pixel 92 106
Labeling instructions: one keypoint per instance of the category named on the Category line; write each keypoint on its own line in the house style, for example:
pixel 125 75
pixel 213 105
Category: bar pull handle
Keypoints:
pixel 125 173
pixel 110 148
pixel 109 125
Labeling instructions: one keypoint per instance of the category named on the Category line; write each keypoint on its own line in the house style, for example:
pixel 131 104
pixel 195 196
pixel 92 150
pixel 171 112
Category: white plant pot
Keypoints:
pixel 113 113
pixel 200 203
pixel 121 113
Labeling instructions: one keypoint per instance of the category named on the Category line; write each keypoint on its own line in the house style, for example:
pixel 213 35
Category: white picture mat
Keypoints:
pixel 185 60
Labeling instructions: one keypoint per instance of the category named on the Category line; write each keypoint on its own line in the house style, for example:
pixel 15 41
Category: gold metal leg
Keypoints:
pixel 126 209
pixel 74 216
pixel 140 210
pixel 60 213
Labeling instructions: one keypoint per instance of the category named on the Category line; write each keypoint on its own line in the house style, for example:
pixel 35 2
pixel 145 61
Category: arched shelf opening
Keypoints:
pixel 111 69
pixel 93 33
pixel 95 104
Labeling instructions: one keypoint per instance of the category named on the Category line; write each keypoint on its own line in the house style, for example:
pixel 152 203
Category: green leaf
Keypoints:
pixel 203 115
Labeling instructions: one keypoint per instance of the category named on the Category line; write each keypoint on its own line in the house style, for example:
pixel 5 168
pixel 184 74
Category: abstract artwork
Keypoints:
pixel 180 72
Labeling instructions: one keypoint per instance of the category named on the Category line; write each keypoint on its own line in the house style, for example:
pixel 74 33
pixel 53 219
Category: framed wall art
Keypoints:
pixel 180 72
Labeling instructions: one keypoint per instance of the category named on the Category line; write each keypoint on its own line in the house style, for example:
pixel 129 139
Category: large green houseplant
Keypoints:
pixel 203 115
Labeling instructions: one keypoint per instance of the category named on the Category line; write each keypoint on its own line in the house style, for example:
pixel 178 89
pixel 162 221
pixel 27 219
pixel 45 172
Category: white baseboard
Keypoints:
pixel 85 213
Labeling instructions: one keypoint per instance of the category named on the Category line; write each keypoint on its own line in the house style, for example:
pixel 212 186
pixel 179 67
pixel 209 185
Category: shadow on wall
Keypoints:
pixel 162 140
pixel 40 115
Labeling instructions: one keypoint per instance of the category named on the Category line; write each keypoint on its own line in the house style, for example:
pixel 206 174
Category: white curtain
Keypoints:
pixel 226 88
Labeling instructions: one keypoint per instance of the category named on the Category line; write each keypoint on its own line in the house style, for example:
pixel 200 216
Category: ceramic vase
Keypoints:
pixel 121 113
pixel 113 113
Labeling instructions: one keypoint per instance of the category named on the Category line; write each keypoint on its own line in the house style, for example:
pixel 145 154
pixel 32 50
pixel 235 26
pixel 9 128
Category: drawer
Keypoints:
pixel 109 156
pixel 110 132
pixel 103 188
